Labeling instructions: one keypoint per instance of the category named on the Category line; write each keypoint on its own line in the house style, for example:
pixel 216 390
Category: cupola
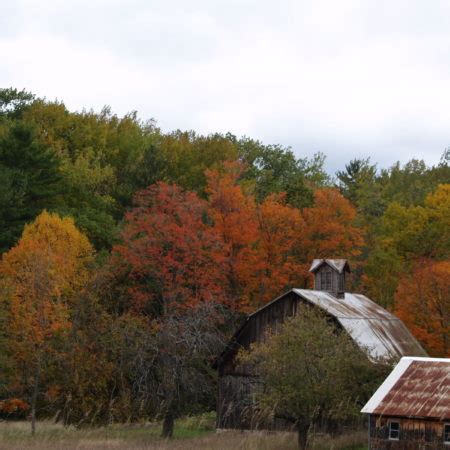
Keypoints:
pixel 329 275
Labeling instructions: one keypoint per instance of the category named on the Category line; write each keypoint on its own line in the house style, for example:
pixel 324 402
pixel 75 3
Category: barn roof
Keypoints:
pixel 417 387
pixel 373 328
pixel 378 332
pixel 339 264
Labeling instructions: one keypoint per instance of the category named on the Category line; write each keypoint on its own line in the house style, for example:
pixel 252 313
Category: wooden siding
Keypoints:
pixel 415 434
pixel 255 331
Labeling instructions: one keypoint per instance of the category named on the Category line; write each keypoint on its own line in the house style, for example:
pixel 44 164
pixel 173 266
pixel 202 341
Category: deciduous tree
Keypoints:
pixel 233 212
pixel 330 228
pixel 173 255
pixel 279 248
pixel 423 303
pixel 49 263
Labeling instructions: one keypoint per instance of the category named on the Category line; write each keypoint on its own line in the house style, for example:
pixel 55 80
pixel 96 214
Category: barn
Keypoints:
pixel 376 330
pixel 411 409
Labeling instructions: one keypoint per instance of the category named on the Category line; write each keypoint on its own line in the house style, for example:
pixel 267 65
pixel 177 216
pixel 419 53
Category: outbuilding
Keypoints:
pixel 411 409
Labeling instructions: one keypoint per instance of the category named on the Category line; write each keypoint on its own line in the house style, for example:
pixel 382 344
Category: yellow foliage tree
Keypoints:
pixel 41 273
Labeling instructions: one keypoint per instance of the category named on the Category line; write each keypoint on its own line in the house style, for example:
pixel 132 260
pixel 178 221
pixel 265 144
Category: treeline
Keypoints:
pixel 143 249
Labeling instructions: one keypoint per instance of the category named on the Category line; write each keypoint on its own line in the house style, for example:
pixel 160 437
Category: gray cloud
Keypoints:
pixel 349 78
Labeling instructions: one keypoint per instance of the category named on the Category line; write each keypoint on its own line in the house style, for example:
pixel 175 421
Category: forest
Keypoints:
pixel 130 255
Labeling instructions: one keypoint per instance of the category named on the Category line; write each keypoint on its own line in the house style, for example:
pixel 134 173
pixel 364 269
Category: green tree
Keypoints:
pixel 13 102
pixel 275 169
pixel 359 184
pixel 101 157
pixel 187 155
pixel 30 180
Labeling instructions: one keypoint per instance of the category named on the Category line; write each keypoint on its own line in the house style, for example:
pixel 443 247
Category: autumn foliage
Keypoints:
pixel 191 232
pixel 173 256
pixel 46 266
pixel 180 250
pixel 41 274
pixel 233 214
pixel 423 303
pixel 330 226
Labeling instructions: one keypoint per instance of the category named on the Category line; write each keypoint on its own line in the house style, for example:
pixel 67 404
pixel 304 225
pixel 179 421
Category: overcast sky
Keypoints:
pixel 350 78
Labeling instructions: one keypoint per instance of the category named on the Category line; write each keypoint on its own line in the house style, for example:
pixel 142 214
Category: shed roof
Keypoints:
pixel 416 388
pixel 339 264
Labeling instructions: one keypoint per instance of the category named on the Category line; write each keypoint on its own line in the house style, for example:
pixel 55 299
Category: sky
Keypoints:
pixel 349 78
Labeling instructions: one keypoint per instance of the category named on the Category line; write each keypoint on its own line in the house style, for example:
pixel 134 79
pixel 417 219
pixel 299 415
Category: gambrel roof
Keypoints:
pixel 378 332
pixel 373 328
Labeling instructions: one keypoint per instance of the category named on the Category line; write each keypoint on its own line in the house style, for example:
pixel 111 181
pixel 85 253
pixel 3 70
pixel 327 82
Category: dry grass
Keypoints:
pixel 16 436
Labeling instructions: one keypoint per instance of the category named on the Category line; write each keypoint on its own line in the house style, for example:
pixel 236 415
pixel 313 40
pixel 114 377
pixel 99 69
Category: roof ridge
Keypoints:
pixel 426 359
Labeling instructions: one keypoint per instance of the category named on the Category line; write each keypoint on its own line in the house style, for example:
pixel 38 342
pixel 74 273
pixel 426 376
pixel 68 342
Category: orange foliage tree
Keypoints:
pixel 330 228
pixel 233 212
pixel 49 263
pixel 270 246
pixel 172 254
pixel 423 303
pixel 279 250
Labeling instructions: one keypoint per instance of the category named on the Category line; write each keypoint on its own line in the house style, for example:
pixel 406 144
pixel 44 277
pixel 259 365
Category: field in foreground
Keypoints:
pixel 189 435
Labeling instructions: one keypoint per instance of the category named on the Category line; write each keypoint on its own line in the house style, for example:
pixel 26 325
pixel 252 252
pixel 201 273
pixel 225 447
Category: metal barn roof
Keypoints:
pixel 417 387
pixel 379 332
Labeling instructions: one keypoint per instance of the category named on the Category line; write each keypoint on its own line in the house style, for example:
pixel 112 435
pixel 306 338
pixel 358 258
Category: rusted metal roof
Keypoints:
pixel 416 388
pixel 374 329
pixel 338 264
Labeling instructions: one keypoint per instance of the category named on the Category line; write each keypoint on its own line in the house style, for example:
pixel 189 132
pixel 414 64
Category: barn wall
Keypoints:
pixel 236 383
pixel 255 330
pixel 235 409
pixel 415 434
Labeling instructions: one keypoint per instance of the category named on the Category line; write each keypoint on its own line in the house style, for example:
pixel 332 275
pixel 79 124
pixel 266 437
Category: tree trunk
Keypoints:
pixel 168 424
pixel 302 436
pixel 34 396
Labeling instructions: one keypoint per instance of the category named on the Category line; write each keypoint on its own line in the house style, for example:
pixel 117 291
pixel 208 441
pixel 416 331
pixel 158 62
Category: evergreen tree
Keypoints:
pixel 29 181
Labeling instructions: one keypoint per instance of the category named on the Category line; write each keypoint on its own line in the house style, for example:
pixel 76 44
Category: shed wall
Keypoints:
pixel 415 434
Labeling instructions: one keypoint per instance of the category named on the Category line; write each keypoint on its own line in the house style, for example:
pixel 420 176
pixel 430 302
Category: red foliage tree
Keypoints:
pixel 172 254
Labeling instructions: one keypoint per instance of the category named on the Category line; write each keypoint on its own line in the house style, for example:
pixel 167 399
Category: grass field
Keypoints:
pixel 190 434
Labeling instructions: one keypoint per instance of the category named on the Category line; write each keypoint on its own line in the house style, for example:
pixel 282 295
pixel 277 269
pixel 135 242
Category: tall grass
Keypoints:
pixel 192 433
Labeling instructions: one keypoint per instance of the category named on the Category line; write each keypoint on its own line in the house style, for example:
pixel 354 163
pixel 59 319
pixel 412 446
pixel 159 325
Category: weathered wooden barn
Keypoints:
pixel 411 409
pixel 376 330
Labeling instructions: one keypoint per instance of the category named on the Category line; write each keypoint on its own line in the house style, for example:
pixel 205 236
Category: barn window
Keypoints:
pixel 394 431
pixel 341 282
pixel 325 280
pixel 447 433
